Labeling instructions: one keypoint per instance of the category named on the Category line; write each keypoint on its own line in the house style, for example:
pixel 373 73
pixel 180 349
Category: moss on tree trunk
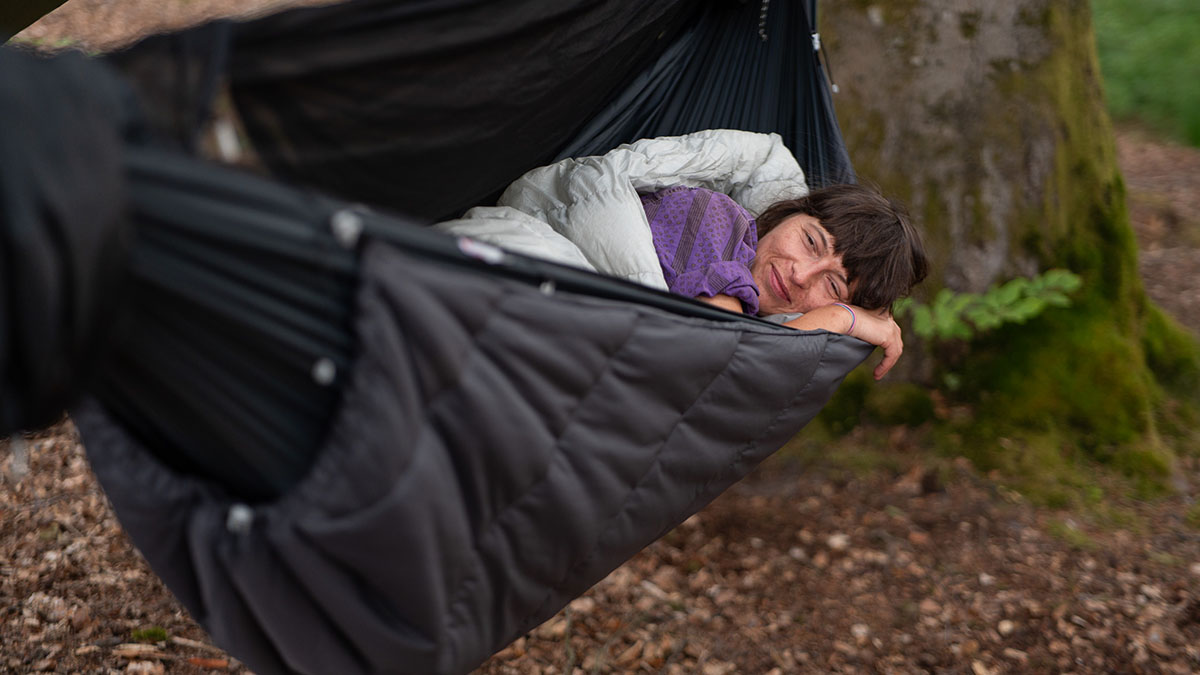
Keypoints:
pixel 988 120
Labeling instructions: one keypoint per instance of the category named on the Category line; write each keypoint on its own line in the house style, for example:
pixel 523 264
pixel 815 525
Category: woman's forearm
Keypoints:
pixel 833 318
pixel 875 327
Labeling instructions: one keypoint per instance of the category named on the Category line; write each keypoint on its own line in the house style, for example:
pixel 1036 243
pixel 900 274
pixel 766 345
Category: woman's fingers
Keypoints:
pixel 892 345
pixel 891 354
pixel 876 327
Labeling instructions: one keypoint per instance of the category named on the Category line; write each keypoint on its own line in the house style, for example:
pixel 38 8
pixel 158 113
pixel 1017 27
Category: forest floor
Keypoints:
pixel 927 568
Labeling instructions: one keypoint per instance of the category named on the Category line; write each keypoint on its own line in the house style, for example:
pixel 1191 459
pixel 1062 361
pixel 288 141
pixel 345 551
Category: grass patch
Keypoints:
pixel 1049 469
pixel 861 400
pixel 1112 515
pixel 864 451
pixel 1039 467
pixel 1148 56
pixel 1070 534
pixel 843 412
pixel 1166 559
pixel 1046 468
pixel 1192 517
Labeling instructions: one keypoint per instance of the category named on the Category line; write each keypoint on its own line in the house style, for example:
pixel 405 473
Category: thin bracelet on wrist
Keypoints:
pixel 853 318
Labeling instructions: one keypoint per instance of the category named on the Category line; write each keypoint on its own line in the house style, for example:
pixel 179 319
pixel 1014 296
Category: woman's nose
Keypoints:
pixel 802 276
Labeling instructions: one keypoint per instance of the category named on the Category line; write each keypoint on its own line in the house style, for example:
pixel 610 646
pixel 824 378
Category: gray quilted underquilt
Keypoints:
pixel 498 451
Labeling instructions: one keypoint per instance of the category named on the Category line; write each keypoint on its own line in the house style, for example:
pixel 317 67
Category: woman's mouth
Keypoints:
pixel 778 287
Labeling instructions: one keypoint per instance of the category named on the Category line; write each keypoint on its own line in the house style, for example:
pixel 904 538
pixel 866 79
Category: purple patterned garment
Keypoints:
pixel 705 242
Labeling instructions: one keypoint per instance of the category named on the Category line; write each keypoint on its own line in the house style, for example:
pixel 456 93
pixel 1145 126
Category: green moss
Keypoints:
pixel 149 634
pixel 844 410
pixel 868 127
pixel 1028 16
pixel 968 24
pixel 981 227
pixel 895 402
pixel 1171 353
pixel 1066 370
pixel 1050 468
pixel 935 220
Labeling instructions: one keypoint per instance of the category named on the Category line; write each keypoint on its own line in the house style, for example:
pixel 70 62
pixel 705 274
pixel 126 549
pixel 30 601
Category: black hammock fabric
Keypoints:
pixel 426 107
pixel 429 108
pixel 739 66
pixel 65 238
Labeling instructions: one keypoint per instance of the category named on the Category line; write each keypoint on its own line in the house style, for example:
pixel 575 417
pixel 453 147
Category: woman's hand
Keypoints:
pixel 875 327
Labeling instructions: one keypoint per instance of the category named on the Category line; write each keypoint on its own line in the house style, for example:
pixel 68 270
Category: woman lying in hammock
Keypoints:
pixel 835 259
pixel 676 213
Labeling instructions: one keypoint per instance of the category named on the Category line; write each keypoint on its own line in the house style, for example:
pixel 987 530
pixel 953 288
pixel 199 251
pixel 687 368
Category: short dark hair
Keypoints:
pixel 879 246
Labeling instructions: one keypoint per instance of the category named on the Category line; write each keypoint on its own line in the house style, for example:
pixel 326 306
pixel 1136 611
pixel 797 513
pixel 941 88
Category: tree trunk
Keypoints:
pixel 988 119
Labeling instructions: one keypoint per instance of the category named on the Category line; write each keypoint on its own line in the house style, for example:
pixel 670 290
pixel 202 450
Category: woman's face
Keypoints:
pixel 796 269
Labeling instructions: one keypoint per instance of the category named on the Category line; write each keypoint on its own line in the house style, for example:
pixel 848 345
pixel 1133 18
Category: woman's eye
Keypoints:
pixel 811 242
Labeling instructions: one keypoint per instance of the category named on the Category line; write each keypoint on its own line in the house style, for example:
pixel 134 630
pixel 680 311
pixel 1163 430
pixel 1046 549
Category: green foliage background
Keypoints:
pixel 1150 58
